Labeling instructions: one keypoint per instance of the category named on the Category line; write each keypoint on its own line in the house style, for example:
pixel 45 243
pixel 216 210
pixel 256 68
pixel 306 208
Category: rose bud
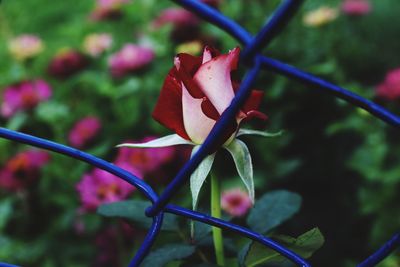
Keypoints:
pixel 196 91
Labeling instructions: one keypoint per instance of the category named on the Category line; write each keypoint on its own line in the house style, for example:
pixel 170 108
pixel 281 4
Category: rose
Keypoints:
pixel 195 93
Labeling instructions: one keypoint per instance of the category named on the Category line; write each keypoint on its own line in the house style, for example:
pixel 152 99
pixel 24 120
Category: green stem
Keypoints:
pixel 216 212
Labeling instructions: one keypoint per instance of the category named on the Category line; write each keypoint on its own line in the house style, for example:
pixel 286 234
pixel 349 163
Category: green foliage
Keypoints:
pixel 272 209
pixel 304 245
pixel 134 210
pixel 166 254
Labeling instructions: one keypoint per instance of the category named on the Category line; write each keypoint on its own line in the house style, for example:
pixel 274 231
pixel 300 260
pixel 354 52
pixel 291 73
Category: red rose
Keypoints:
pixel 197 91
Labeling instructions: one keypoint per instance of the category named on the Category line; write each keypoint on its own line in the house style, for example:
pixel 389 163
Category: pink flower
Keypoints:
pixel 390 88
pixel 25 46
pixel 176 16
pixel 23 169
pixel 197 91
pixel 95 44
pixel 107 9
pixel 66 63
pixel 99 187
pixel 129 59
pixel 185 23
pixel 24 96
pixel 84 131
pixel 235 202
pixel 146 160
pixel 356 7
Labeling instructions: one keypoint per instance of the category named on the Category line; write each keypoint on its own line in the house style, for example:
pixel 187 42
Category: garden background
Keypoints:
pixel 342 161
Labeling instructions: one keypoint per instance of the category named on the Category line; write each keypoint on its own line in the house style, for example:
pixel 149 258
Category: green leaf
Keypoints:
pixel 272 209
pixel 134 210
pixel 304 245
pixel 52 112
pixel 201 230
pixel 199 175
pixel 260 133
pixel 242 158
pixel 171 252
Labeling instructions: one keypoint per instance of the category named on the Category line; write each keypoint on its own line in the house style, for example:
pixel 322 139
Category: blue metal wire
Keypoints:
pixel 315 82
pixel 278 21
pixel 215 17
pixel 209 144
pixel 382 252
pixel 80 155
pixel 250 55
pixel 148 241
pixel 238 229
pixel 3 264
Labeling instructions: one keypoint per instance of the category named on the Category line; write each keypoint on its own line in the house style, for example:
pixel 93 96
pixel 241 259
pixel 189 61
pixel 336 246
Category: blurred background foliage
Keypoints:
pixel 341 160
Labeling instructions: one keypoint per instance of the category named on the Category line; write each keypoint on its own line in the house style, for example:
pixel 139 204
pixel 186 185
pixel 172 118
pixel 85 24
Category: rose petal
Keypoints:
pixel 207 55
pixel 196 123
pixel 186 66
pixel 214 79
pixel 168 110
pixel 255 114
pixel 254 101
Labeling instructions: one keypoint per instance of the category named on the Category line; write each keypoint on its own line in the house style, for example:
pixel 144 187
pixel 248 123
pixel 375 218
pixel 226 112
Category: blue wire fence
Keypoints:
pixel 255 61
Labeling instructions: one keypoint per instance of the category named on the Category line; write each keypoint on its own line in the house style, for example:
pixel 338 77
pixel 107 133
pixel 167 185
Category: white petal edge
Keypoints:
pixel 206 55
pixel 242 158
pixel 197 124
pixel 214 79
pixel 199 175
pixel 260 133
pixel 169 140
